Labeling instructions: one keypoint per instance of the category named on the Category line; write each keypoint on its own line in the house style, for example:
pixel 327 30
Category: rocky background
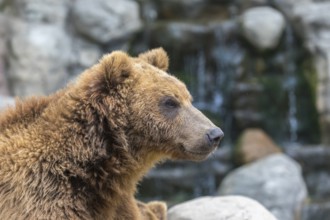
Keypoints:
pixel 260 69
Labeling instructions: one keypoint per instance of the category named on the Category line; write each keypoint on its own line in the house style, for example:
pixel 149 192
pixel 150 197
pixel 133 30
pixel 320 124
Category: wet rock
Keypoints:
pixel 310 20
pixel 311 158
pixel 315 161
pixel 275 181
pixel 186 35
pixel 287 6
pixel 179 9
pixel 263 27
pixel 318 183
pixel 177 181
pixel 317 211
pixel 246 118
pixel 38 58
pixel 255 144
pixel 246 105
pixel 108 20
pixel 189 9
pixel 220 208
pixel 245 4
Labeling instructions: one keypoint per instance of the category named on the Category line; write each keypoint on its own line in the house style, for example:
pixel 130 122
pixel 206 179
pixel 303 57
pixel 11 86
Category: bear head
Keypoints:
pixel 151 109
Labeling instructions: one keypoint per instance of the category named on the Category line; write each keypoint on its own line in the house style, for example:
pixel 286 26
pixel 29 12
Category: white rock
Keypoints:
pixel 263 27
pixel 38 59
pixel 42 11
pixel 220 208
pixel 108 19
pixel 275 181
pixel 5 102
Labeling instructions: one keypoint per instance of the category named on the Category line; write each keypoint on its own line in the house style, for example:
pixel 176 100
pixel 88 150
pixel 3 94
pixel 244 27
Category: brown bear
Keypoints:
pixel 79 153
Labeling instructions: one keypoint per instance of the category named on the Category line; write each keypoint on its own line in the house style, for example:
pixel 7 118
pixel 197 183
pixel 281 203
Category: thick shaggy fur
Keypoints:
pixel 79 153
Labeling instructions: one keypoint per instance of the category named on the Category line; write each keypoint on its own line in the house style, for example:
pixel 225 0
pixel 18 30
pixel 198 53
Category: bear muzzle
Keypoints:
pixel 205 146
pixel 214 136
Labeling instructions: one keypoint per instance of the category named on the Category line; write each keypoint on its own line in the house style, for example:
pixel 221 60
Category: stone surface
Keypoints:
pixel 38 59
pixel 183 9
pixel 5 102
pixel 311 20
pixel 255 144
pixel 86 54
pixel 42 11
pixel 177 181
pixel 3 50
pixel 108 20
pixel 220 208
pixel 276 182
pixel 316 211
pixel 186 35
pixel 310 157
pixel 246 104
pixel 287 6
pixel 318 183
pixel 263 27
pixel 315 161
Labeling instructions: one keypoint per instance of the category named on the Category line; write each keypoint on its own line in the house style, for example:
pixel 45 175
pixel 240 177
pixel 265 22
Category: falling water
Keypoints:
pixel 293 122
pixel 194 65
pixel 291 87
pixel 228 56
pixel 201 73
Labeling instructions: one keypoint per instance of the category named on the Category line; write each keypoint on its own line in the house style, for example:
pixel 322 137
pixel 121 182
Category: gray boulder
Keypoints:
pixel 287 6
pixel 85 54
pixel 6 101
pixel 42 11
pixel 104 20
pixel 38 59
pixel 220 208
pixel 275 181
pixel 263 27
pixel 3 40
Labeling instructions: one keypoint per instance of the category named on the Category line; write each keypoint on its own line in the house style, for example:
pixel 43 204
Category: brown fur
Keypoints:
pixel 78 154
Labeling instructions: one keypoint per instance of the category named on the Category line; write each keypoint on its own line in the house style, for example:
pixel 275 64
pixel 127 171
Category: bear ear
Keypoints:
pixel 117 66
pixel 156 57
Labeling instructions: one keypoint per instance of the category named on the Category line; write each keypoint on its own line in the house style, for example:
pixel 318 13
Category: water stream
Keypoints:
pixel 291 83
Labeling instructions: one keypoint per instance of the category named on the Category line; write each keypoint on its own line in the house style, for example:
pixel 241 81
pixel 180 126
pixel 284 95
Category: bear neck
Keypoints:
pixel 102 155
pixel 109 155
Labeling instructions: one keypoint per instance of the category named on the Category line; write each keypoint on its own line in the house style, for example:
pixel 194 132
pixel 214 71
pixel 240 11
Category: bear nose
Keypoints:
pixel 215 135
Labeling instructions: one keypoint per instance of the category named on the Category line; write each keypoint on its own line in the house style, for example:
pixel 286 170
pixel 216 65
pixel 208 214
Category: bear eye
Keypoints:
pixel 170 102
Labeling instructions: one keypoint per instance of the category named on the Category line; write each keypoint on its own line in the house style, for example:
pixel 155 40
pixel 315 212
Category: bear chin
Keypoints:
pixel 196 155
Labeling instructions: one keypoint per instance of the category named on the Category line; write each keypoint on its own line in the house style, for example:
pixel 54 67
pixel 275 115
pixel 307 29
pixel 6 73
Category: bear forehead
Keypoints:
pixel 160 81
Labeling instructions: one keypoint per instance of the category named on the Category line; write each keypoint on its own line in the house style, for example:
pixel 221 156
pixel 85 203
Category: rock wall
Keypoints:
pixel 45 44
pixel 234 67
pixel 311 20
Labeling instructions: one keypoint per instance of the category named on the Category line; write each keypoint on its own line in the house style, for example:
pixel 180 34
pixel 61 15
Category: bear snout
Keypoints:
pixel 214 136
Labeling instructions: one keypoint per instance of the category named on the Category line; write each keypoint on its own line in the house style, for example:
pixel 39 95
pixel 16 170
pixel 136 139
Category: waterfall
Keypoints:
pixel 291 87
pixel 195 66
pixel 228 55
pixel 201 74
pixel 293 121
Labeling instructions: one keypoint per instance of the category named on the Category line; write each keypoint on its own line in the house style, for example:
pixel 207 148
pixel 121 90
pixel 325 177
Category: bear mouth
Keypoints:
pixel 197 154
